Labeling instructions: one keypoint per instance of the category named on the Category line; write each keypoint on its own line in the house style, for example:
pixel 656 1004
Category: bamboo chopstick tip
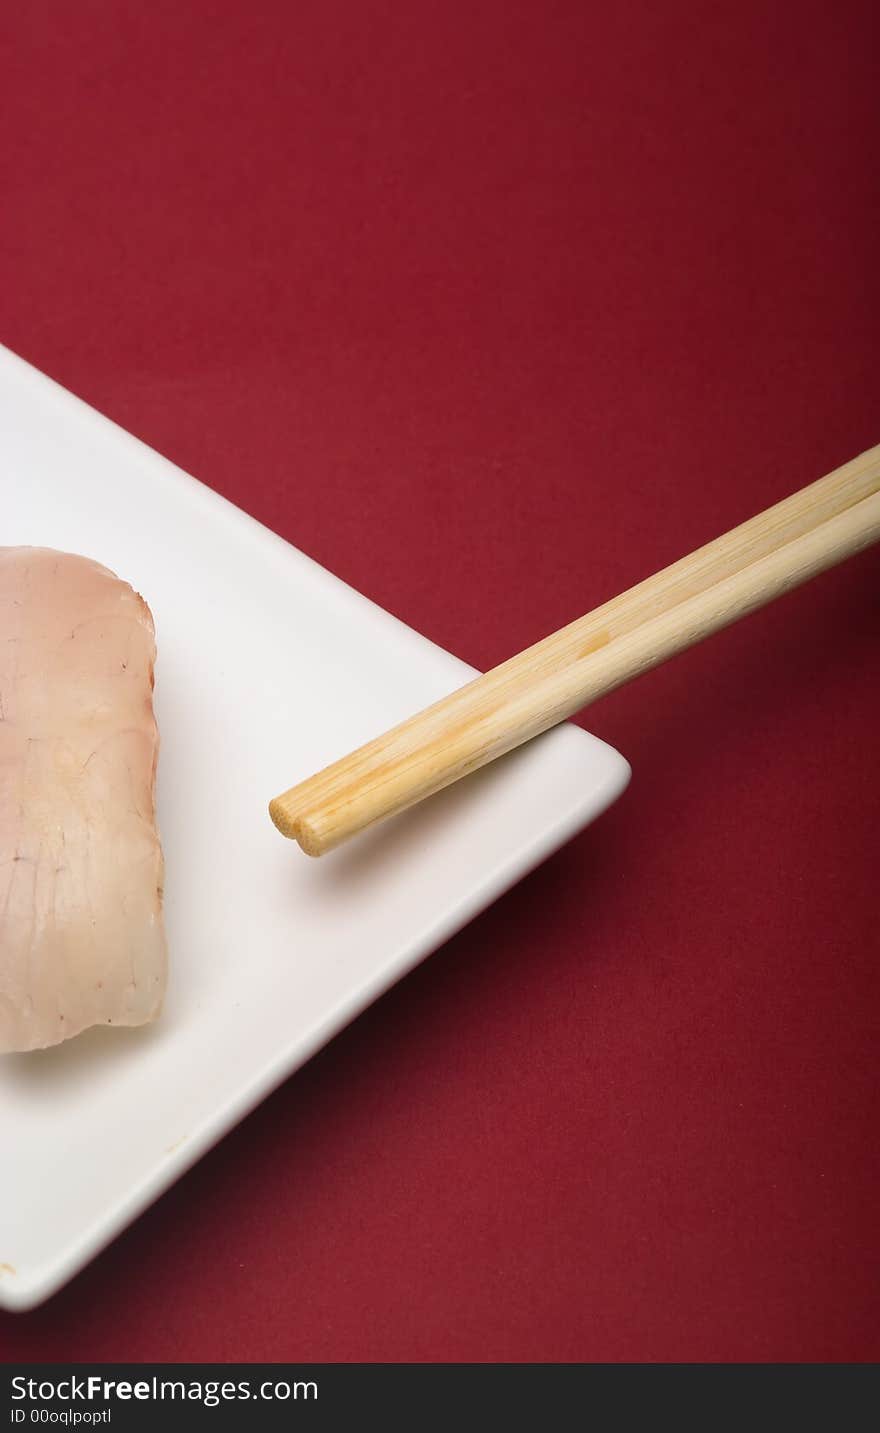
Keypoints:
pixel 281 818
pixel 308 839
pixel 295 827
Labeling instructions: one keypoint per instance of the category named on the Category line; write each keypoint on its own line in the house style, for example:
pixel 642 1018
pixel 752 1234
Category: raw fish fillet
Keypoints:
pixel 81 935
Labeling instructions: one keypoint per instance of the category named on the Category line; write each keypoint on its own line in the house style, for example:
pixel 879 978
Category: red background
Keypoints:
pixel 494 308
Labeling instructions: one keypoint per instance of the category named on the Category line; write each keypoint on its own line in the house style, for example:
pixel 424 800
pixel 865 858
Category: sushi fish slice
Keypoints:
pixel 81 935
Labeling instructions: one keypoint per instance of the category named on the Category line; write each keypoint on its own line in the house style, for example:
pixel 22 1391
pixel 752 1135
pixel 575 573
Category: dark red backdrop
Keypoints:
pixel 493 308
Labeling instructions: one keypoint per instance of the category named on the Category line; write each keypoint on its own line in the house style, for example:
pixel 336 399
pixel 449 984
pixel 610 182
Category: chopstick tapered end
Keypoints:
pixel 294 826
pixel 280 818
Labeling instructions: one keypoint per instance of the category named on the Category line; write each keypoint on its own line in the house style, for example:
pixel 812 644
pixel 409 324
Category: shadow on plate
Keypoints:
pixel 96 1052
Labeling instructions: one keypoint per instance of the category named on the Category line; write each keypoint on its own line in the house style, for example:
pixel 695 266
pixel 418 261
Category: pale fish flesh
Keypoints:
pixel 81 935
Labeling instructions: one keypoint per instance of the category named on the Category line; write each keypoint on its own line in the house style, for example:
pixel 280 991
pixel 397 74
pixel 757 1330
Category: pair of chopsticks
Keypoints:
pixel 711 588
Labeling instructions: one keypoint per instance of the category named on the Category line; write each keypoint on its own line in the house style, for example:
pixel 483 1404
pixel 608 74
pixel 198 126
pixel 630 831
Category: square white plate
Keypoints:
pixel 268 668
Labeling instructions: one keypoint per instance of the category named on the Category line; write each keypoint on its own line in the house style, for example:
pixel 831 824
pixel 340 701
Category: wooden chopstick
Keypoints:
pixel 739 572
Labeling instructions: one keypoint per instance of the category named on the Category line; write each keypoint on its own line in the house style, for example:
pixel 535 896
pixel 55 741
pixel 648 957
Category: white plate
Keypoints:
pixel 268 669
